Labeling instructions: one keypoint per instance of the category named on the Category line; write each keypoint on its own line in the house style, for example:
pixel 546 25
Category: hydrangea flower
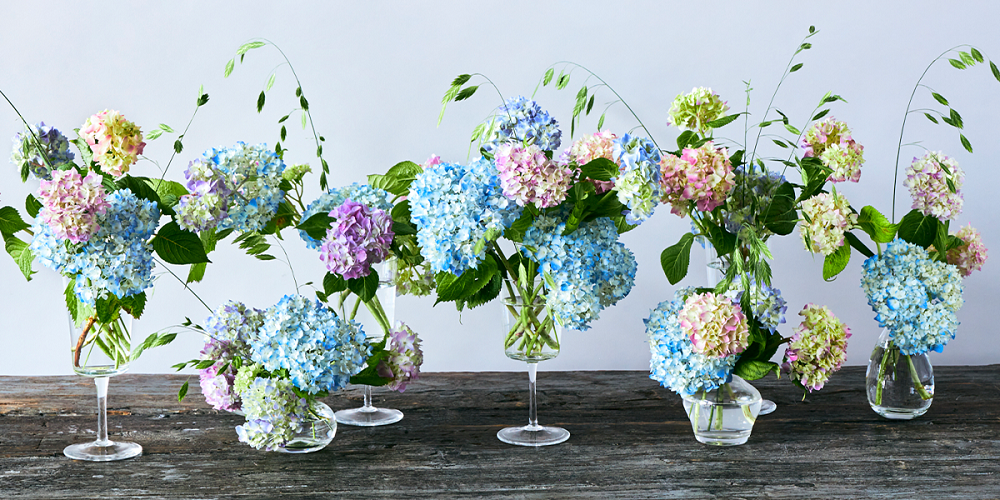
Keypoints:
pixel 817 349
pixel 216 386
pixel 915 297
pixel 715 325
pixel 522 120
pixel 274 413
pixel 405 358
pixel 693 111
pixel 417 281
pixel 703 175
pixel 234 321
pixel 358 238
pixel 638 181
pixel 527 176
pixel 766 303
pixel 590 268
pixel 71 205
pixel 296 172
pixel 36 145
pixel 752 194
pixel 589 148
pixel 830 141
pixel 970 256
pixel 453 207
pixel 374 198
pixel 115 141
pixel 235 187
pixel 674 362
pixel 320 350
pixel 927 179
pixel 827 216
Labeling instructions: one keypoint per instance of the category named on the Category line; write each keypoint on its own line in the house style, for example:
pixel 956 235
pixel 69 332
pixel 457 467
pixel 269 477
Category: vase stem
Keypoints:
pixel 532 407
pixel 102 411
pixel 368 396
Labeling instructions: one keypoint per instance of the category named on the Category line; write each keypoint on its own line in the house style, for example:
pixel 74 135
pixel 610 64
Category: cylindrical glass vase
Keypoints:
pixel 899 386
pixel 317 431
pixel 725 415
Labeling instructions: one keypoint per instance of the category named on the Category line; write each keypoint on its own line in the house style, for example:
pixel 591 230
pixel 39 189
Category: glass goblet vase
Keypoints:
pixel 531 335
pixel 100 349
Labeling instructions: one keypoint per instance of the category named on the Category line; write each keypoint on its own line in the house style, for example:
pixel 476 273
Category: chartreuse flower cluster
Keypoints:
pixel 830 141
pixel 817 349
pixel 638 183
pixel 694 110
pixel 702 175
pixel 115 142
pixel 827 216
pixel 40 149
pixel 971 254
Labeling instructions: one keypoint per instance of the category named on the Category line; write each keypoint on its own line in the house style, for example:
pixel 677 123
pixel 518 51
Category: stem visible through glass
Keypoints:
pixel 886 353
pixel 916 380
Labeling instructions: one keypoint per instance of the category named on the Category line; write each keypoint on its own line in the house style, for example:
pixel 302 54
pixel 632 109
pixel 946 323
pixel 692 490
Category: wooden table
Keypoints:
pixel 630 439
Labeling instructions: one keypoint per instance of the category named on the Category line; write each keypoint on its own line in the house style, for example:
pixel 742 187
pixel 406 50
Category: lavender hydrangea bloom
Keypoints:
pixel 522 120
pixel 405 358
pixel 29 155
pixel 362 193
pixel 454 207
pixel 359 238
pixel 216 386
pixel 638 182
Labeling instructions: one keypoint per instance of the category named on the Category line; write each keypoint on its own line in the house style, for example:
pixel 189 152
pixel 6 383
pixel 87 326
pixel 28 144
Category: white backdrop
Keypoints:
pixel 374 73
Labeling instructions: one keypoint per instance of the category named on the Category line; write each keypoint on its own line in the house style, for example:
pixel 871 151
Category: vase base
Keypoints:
pixel 533 435
pixel 767 406
pixel 368 416
pixel 725 438
pixel 900 413
pixel 95 452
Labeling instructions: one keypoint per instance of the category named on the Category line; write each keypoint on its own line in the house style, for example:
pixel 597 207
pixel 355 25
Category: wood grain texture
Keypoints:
pixel 630 439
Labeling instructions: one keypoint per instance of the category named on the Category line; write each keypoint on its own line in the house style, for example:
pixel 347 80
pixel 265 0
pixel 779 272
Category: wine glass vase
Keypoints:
pixel 531 335
pixel 101 349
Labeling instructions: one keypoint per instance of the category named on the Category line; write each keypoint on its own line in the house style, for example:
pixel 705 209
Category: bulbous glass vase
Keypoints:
pixel 725 415
pixel 317 432
pixel 899 386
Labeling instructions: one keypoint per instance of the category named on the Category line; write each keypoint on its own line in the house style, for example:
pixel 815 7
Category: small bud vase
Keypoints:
pixel 899 386
pixel 725 415
pixel 317 431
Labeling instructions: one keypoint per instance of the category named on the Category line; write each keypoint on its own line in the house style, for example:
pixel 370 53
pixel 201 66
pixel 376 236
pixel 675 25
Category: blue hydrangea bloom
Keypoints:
pixel 673 362
pixel 638 182
pixel 357 192
pixel 234 322
pixel 590 268
pixel 320 350
pixel 767 304
pixel 53 144
pixel 117 259
pixel 453 206
pixel 915 297
pixel 522 120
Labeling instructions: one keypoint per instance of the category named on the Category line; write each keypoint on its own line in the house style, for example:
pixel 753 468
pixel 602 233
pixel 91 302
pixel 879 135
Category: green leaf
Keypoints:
pixel 466 93
pixel 366 287
pixel 780 216
pixel 792 129
pixel 71 304
pixel 202 100
pixel 304 103
pixel 590 104
pixel 182 392
pixel 487 293
pixel 600 122
pixel 456 288
pixel 675 259
pixel 562 81
pixel 725 120
pixel 918 229
pixel 260 101
pixel 753 369
pixel 516 230
pixel 795 68
pixel 229 67
pixel 166 128
pixel 205 363
pixel 141 188
pixel 548 76
pixel 967 58
pixel 134 305
pixel 21 253
pixel 249 46
pixel 836 262
pixel 107 308
pixel 154 134
pixel 177 246
pixel 197 272
pixel 317 225
pixel 153 340
pixel 460 80
pixel 32 205
pixel 685 138
pixel 821 114
pixel 405 170
pixel 877 225
pixel 270 82
pixel 178 146
pixel 724 241
pixel 996 72
pixel 931 118
pixel 601 169
pixel 857 244
pixel 978 56
pixel 965 143
pixel 939 98
pixel 956 63
pixel 956 119
pixel 334 283
pixel 11 221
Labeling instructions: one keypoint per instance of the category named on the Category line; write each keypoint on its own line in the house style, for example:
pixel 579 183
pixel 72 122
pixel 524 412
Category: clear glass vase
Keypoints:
pixel 531 334
pixel 101 349
pixel 369 415
pixel 725 415
pixel 316 433
pixel 899 386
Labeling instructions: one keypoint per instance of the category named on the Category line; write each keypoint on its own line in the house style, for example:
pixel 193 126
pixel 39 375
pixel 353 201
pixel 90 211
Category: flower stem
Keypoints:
pixel 916 380
pixel 887 352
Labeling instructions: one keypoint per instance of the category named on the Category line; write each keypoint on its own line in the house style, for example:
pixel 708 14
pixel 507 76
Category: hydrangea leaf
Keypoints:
pixel 836 262
pixel 676 258
pixel 918 229
pixel 752 369
pixel 876 225
pixel 178 246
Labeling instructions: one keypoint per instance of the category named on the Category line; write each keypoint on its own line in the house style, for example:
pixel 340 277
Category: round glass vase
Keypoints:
pixel 531 334
pixel 317 431
pixel 100 349
pixel 368 415
pixel 725 415
pixel 899 386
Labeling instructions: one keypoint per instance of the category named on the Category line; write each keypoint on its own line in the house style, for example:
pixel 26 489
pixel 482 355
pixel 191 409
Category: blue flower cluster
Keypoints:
pixel 320 350
pixel 454 206
pixel 915 297
pixel 522 120
pixel 53 146
pixel 234 321
pixel 751 196
pixel 357 192
pixel 674 363
pixel 767 304
pixel 590 268
pixel 638 182
pixel 117 259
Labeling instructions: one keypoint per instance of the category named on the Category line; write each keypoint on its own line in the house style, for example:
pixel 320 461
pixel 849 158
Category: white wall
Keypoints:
pixel 374 73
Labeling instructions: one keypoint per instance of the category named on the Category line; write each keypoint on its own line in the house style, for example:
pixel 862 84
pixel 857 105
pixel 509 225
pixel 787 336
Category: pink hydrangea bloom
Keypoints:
pixel 115 141
pixel 71 204
pixel 433 160
pixel 405 358
pixel 827 216
pixel 528 176
pixel 359 238
pixel 703 175
pixel 830 141
pixel 716 326
pixel 817 349
pixel 590 148
pixel 927 179
pixel 972 255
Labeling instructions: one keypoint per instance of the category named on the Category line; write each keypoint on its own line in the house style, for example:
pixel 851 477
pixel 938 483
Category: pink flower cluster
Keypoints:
pixel 830 141
pixel 433 160
pixel 592 147
pixel 115 141
pixel 927 179
pixel 71 204
pixel 972 255
pixel 405 358
pixel 360 237
pixel 528 176
pixel 817 349
pixel 703 175
pixel 716 326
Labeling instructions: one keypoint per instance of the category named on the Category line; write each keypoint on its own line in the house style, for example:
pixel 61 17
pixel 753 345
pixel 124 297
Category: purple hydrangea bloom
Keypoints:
pixel 359 238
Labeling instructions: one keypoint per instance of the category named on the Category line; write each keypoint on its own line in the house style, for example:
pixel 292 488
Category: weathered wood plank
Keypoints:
pixel 630 439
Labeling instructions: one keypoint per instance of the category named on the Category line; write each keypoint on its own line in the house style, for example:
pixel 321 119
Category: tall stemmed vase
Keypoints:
pixel 531 335
pixel 100 349
pixel 383 313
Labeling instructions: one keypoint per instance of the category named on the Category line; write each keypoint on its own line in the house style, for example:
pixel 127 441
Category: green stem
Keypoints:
pixel 916 380
pixel 354 311
pixel 886 354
